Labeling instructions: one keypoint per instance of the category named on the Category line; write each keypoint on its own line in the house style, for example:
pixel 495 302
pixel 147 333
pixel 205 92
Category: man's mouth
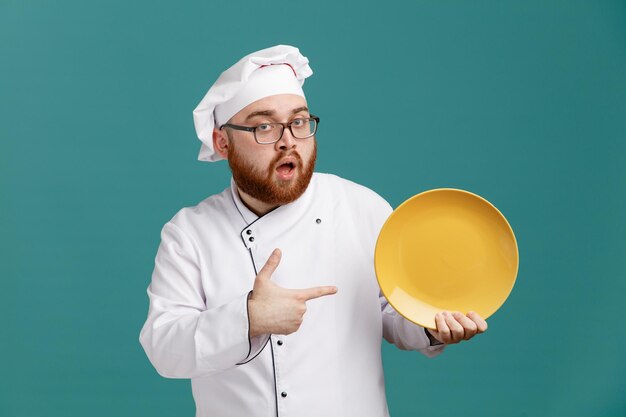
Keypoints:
pixel 285 171
pixel 286 168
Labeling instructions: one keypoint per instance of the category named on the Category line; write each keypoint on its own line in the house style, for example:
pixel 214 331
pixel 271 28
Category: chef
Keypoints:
pixel 264 295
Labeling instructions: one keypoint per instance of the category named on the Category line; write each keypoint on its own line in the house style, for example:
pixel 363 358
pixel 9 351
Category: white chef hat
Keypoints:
pixel 254 77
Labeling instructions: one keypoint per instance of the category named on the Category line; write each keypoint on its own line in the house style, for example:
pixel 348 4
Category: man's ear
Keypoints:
pixel 220 143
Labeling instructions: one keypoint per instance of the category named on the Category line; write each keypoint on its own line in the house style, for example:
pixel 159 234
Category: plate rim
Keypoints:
pixel 421 194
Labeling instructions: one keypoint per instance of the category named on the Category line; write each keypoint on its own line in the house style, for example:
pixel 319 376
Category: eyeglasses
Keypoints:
pixel 267 133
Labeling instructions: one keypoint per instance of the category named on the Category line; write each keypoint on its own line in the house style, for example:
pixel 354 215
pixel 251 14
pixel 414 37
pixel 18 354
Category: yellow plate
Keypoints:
pixel 446 249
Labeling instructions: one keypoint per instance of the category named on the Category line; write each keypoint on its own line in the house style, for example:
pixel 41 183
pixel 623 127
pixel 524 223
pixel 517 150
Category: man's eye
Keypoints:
pixel 298 122
pixel 265 127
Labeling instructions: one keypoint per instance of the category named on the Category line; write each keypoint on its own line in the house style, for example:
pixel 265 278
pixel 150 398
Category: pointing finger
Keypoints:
pixel 271 265
pixel 316 292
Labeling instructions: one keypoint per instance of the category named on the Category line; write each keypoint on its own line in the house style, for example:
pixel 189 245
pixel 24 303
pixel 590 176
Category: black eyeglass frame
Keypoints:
pixel 285 125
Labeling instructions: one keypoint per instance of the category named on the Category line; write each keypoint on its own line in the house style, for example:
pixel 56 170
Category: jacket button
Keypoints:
pixel 318 221
pixel 251 239
pixel 248 232
pixel 280 343
pixel 283 394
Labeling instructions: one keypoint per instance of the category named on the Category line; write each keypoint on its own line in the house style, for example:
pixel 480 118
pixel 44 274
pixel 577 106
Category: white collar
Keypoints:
pixel 277 221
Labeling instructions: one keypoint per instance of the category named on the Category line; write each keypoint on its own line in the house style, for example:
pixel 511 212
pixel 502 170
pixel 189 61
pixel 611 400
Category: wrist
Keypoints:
pixel 432 339
pixel 254 328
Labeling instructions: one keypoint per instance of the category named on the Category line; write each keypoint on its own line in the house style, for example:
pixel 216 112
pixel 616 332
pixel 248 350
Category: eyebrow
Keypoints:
pixel 272 112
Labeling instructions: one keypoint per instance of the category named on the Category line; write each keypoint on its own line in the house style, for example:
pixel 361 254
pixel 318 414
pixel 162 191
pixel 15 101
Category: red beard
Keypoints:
pixel 262 186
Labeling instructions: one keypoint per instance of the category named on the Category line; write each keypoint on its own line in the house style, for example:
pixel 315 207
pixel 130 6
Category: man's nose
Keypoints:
pixel 287 141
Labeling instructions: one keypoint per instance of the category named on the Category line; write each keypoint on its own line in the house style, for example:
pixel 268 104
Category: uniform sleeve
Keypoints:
pixel 397 330
pixel 405 334
pixel 181 337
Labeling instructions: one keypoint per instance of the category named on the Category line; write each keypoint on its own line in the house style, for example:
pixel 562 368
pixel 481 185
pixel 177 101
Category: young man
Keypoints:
pixel 265 294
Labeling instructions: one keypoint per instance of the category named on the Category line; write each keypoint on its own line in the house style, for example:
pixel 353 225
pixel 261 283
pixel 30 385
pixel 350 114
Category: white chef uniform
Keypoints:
pixel 197 325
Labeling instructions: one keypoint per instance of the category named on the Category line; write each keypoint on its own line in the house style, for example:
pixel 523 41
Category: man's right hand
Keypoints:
pixel 277 310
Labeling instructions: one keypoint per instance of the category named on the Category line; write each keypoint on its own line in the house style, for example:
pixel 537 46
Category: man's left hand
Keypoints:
pixel 455 327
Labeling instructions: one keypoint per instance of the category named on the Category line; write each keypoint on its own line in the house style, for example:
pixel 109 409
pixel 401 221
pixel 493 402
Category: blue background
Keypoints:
pixel 523 103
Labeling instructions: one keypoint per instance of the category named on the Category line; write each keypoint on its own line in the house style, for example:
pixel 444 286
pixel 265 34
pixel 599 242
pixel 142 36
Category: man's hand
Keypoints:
pixel 455 327
pixel 277 310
